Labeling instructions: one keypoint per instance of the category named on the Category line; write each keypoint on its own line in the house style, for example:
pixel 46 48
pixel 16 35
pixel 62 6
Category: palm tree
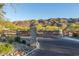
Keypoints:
pixel 2 13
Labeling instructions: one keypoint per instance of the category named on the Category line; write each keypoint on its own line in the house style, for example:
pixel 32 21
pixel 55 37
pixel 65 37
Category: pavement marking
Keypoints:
pixel 29 53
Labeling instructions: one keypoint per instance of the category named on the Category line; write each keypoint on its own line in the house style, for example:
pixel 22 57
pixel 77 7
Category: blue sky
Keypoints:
pixel 41 10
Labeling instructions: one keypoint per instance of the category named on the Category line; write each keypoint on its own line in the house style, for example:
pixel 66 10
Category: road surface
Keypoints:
pixel 57 47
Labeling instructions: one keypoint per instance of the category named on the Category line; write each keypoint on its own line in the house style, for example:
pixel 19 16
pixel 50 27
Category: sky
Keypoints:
pixel 21 11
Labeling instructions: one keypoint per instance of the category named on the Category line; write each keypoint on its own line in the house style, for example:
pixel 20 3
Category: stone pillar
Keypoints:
pixel 33 33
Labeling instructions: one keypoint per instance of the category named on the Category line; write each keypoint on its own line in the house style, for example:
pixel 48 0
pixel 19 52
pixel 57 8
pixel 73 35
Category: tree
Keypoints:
pixel 40 27
pixel 74 27
pixel 2 13
pixel 51 28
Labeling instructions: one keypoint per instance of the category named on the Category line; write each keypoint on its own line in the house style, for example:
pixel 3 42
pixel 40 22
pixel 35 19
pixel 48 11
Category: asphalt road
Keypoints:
pixel 57 47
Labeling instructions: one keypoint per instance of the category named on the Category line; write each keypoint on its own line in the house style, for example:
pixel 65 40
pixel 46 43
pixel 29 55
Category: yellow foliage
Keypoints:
pixel 51 28
pixel 40 27
pixel 23 28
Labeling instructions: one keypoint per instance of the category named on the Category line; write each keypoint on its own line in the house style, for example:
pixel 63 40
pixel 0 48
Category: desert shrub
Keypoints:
pixel 5 48
pixel 18 39
pixel 75 35
pixel 28 44
pixel 10 39
pixel 23 41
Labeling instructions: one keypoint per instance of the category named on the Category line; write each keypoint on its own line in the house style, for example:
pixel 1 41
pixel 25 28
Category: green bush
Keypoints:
pixel 17 39
pixel 28 44
pixel 5 48
pixel 10 39
pixel 23 41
